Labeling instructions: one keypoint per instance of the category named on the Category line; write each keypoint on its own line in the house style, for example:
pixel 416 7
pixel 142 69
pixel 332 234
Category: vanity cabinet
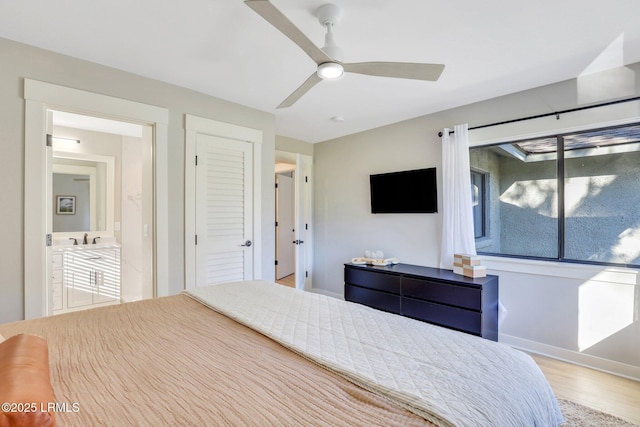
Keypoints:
pixel 57 273
pixel 88 276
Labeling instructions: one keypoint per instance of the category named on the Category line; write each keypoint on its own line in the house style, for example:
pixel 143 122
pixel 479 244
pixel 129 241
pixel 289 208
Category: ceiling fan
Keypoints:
pixel 329 58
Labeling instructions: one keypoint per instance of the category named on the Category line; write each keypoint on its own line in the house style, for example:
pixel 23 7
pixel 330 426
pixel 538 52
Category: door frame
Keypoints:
pixel 41 96
pixel 195 125
pixel 304 210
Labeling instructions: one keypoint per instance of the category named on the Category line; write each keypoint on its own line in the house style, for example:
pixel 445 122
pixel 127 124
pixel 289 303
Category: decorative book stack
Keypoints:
pixel 468 265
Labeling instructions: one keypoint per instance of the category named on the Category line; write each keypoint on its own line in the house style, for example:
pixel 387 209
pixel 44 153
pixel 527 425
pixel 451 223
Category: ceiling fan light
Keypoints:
pixel 330 71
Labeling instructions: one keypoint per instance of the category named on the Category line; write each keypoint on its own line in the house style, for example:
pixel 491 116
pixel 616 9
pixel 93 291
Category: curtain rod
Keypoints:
pixel 556 113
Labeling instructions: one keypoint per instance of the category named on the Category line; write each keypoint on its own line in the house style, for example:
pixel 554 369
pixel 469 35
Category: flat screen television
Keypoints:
pixel 412 191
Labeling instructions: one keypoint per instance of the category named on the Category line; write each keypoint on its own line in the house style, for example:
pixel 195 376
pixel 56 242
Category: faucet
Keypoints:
pixel 94 239
pixel 75 241
pixel 84 241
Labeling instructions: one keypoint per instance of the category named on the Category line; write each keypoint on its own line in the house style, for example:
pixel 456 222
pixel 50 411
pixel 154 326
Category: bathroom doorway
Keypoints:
pixel 112 213
pixel 40 98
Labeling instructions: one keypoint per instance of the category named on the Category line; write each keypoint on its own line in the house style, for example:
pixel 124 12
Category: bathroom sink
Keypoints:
pixel 103 245
pixel 102 242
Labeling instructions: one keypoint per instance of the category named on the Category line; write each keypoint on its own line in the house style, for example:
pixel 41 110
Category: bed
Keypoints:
pixel 257 353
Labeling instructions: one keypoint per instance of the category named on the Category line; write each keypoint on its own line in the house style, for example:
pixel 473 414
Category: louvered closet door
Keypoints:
pixel 224 193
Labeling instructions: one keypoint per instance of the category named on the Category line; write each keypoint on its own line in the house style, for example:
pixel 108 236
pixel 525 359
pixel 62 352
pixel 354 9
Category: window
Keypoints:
pixel 570 197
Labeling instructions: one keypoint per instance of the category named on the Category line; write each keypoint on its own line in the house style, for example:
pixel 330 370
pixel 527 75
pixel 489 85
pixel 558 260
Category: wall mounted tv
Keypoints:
pixel 411 191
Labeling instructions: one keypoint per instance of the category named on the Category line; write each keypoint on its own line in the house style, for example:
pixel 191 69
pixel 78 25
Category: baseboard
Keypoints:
pixel 577 358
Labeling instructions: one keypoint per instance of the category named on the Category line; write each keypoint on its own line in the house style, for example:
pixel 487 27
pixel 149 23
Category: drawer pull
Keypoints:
pixel 94 257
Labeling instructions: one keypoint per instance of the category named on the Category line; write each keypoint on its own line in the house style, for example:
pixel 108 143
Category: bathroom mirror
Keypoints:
pixel 83 192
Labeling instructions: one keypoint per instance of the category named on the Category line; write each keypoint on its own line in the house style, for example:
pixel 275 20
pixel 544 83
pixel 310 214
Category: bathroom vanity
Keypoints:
pixel 84 276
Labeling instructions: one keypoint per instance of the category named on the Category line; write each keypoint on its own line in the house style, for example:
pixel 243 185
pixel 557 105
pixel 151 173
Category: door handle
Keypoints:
pixel 298 242
pixel 247 243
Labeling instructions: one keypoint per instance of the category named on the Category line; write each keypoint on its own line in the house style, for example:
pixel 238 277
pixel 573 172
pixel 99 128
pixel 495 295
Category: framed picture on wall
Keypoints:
pixel 66 205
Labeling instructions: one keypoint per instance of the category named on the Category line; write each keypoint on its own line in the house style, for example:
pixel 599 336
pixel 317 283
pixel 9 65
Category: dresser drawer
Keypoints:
pixel 450 317
pixel 444 293
pixel 375 299
pixel 372 280
pixel 428 294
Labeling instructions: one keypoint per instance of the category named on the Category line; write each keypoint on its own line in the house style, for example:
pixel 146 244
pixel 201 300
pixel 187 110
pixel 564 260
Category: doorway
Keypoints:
pixel 285 224
pixel 117 218
pixel 39 96
pixel 294 238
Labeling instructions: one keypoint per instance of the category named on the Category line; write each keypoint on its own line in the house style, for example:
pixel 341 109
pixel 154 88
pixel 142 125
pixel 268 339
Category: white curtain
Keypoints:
pixel 457 211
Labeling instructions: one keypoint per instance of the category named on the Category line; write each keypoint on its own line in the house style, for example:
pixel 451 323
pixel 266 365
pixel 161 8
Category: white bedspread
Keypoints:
pixel 448 377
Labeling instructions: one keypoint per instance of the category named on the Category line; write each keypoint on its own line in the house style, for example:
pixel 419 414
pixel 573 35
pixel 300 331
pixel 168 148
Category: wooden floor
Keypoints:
pixel 608 393
pixel 289 281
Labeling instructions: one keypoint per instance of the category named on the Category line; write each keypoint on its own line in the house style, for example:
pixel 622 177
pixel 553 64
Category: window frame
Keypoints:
pixel 560 181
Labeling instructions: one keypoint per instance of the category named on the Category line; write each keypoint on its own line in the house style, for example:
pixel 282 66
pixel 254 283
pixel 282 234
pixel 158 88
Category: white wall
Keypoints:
pixel 582 313
pixel 19 62
pixel 292 145
pixel 586 314
pixel 345 226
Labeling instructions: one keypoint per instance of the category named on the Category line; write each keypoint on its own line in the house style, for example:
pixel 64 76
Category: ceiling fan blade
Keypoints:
pixel 402 70
pixel 304 88
pixel 272 15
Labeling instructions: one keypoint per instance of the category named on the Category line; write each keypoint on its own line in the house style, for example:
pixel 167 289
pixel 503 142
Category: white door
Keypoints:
pixel 285 233
pixel 303 234
pixel 224 194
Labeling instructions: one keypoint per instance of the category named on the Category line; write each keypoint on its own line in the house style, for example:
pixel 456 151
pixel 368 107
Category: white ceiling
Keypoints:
pixel 223 48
